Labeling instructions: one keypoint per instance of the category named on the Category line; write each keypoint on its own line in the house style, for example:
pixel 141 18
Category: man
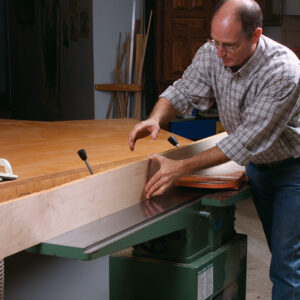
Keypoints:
pixel 255 82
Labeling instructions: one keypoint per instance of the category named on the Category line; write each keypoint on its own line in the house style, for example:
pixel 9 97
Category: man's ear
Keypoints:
pixel 256 35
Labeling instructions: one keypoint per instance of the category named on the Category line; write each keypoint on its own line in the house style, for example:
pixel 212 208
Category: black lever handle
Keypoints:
pixel 172 139
pixel 83 156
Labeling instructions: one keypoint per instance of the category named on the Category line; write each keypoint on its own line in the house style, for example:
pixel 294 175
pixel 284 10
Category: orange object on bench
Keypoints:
pixel 227 181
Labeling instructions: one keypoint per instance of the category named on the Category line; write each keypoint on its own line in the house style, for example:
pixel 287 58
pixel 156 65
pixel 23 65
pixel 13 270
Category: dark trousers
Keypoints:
pixel 276 194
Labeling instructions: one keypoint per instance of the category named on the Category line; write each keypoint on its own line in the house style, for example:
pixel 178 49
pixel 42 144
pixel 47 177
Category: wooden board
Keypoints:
pixel 44 154
pixel 35 218
pixel 225 181
pixel 32 219
pixel 119 87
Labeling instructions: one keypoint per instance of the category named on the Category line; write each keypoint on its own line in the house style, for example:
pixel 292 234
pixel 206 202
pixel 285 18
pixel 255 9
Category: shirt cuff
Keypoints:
pixel 234 150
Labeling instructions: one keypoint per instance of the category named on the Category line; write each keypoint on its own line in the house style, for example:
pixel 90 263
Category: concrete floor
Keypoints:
pixel 258 260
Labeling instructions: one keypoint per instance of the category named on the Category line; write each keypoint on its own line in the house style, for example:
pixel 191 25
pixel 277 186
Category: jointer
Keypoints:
pixel 182 245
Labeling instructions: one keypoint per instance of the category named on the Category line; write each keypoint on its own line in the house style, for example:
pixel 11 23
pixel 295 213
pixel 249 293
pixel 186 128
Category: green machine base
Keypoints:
pixel 219 274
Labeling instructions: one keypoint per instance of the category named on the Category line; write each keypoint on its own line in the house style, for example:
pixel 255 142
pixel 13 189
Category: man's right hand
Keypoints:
pixel 143 129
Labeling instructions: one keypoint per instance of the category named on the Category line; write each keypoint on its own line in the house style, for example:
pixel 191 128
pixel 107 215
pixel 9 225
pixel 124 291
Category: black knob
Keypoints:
pixel 82 154
pixel 172 139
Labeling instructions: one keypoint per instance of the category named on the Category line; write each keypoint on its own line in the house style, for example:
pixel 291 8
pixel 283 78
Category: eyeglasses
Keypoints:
pixel 230 48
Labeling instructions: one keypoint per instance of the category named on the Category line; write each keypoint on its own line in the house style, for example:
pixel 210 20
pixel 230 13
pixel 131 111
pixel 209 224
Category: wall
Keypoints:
pixel 291 31
pixel 291 7
pixel 52 72
pixel 110 18
pixel 77 75
pixel 3 62
pixel 290 28
pixel 274 32
pixel 76 66
pixel 288 33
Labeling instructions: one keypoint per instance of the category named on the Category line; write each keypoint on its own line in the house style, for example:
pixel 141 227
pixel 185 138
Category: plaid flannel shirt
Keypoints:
pixel 259 105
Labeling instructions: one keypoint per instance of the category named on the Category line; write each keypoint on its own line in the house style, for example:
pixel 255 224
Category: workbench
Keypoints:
pixel 44 157
pixel 44 154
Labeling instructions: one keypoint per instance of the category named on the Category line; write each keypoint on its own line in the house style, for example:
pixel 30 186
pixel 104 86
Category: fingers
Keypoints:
pixel 133 136
pixel 132 139
pixel 155 133
pixel 141 130
pixel 158 188
pixel 160 181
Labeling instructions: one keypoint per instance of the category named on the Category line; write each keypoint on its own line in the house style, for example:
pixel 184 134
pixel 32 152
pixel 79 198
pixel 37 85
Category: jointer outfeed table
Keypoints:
pixel 183 244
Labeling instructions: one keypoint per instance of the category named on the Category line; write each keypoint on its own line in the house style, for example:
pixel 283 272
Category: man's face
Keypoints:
pixel 233 47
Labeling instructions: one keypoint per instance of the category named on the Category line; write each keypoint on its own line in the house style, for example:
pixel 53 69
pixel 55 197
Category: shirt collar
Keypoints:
pixel 252 62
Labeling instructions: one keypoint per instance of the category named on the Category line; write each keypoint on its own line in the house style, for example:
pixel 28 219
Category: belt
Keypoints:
pixel 278 164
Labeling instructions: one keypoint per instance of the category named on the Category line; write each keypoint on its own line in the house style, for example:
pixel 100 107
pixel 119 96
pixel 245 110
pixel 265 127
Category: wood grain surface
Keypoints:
pixel 44 154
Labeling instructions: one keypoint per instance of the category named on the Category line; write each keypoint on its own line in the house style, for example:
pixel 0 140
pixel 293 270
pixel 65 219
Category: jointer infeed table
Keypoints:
pixel 196 228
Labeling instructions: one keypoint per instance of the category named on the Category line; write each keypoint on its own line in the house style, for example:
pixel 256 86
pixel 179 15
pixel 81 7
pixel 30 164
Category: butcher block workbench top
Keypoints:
pixel 44 154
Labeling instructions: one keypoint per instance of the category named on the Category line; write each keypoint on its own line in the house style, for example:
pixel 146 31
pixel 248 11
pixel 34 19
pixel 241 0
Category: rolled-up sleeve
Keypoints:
pixel 193 89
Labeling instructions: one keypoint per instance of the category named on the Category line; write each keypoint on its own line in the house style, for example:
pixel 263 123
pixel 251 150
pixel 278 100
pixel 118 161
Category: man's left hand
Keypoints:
pixel 165 177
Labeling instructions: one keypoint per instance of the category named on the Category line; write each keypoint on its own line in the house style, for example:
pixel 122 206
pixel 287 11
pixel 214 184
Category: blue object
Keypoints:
pixel 276 194
pixel 194 129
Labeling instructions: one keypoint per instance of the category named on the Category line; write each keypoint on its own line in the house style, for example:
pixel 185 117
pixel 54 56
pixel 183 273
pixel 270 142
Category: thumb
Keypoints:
pixel 156 157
